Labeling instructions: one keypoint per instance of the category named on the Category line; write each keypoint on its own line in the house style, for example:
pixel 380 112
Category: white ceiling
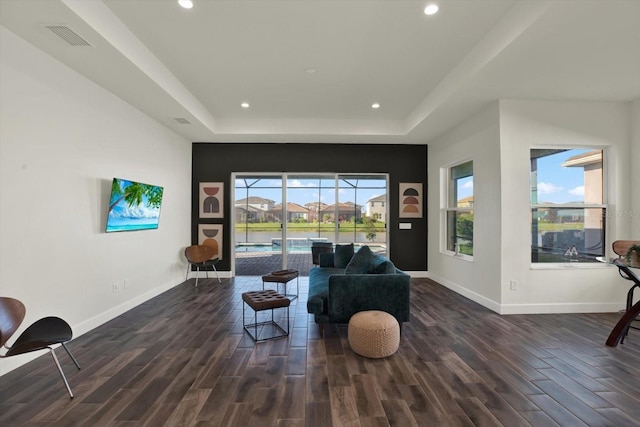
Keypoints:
pixel 429 73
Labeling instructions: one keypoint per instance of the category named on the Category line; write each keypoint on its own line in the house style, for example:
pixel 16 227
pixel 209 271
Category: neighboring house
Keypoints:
pixel 294 212
pixel 465 202
pixel 253 209
pixel 591 162
pixel 314 209
pixel 346 212
pixel 377 208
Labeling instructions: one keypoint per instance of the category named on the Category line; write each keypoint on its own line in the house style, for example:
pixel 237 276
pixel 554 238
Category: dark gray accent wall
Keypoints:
pixel 215 162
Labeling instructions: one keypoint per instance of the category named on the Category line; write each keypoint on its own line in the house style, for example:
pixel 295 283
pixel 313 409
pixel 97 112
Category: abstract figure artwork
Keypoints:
pixel 211 235
pixel 410 200
pixel 211 199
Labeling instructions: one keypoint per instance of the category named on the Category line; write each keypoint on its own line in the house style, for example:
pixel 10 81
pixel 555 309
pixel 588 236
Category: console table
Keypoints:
pixel 633 310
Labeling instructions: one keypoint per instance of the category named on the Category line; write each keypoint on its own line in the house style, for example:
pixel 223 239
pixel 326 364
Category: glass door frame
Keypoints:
pixel 284 176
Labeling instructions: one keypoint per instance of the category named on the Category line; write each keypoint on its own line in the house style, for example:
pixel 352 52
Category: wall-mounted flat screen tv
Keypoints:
pixel 133 206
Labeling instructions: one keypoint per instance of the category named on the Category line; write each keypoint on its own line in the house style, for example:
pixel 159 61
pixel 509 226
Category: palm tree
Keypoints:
pixel 134 193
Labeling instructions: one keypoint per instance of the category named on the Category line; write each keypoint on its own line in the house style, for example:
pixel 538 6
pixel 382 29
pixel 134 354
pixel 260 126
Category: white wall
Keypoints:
pixel 62 140
pixel 635 170
pixel 479 140
pixel 524 124
pixel 498 140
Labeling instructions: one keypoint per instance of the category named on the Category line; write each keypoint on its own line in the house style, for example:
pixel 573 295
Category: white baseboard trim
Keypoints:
pixel 418 274
pixel 559 308
pixel 8 365
pixel 528 308
pixel 212 274
pixel 473 296
pixel 102 318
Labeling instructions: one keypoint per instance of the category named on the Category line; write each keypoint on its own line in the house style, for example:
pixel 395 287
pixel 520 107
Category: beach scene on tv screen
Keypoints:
pixel 133 206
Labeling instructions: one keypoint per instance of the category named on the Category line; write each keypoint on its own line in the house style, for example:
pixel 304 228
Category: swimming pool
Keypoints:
pixel 256 247
pixel 266 247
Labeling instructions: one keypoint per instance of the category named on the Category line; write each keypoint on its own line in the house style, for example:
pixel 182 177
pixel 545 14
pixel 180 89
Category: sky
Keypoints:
pixel 465 187
pixel 558 184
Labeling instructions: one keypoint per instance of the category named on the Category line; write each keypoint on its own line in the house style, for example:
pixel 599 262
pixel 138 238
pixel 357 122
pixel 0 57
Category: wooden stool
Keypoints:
pixel 374 334
pixel 264 300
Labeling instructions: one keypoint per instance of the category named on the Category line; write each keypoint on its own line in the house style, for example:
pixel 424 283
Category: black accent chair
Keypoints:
pixel 41 335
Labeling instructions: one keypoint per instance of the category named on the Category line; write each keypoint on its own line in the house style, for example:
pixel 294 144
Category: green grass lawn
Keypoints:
pixel 546 226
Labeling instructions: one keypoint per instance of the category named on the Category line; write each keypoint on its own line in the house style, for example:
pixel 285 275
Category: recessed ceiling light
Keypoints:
pixel 375 105
pixel 310 70
pixel 431 9
pixel 245 105
pixel 187 4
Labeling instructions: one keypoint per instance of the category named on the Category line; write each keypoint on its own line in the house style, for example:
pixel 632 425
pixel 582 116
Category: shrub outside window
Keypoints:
pixel 459 209
pixel 567 205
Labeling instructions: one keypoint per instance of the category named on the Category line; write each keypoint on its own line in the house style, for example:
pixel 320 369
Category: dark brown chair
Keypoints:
pixel 41 335
pixel 201 257
pixel 620 248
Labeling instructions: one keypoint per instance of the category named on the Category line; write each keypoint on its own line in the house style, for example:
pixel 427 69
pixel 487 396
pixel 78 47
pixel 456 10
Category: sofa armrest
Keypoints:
pixel 351 293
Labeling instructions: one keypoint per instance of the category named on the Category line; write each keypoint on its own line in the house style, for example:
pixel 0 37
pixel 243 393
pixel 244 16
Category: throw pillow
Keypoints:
pixel 342 255
pixel 326 260
pixel 362 262
pixel 385 267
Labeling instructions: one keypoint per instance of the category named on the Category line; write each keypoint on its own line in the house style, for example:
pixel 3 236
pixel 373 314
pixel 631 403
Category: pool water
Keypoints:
pixel 270 248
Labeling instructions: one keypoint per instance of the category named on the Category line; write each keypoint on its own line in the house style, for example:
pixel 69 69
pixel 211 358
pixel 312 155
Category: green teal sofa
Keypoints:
pixel 346 283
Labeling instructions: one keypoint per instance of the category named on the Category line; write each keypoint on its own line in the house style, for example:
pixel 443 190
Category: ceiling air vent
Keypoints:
pixel 68 35
pixel 182 121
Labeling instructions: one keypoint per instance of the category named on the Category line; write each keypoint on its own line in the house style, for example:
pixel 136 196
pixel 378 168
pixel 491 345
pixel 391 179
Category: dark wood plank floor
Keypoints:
pixel 182 359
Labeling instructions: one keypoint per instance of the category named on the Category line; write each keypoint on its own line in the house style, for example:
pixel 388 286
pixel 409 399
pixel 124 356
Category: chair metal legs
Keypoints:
pixel 213 264
pixel 186 277
pixel 55 359
pixel 71 355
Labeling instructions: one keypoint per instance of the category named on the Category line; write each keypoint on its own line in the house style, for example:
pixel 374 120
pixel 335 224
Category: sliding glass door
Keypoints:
pixel 279 216
pixel 362 210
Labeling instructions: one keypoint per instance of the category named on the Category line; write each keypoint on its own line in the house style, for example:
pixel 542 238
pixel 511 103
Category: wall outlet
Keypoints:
pixel 513 285
pixel 116 286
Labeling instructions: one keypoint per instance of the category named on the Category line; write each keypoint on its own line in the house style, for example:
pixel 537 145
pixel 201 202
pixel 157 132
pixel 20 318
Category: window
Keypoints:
pixel 459 209
pixel 568 209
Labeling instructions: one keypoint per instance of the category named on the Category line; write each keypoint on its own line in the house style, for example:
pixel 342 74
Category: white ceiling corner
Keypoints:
pixel 429 73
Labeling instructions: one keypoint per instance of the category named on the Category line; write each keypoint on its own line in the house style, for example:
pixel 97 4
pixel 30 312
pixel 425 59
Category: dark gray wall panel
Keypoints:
pixel 403 163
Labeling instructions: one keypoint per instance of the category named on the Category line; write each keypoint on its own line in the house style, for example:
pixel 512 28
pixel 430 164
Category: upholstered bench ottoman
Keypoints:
pixel 374 334
pixel 264 300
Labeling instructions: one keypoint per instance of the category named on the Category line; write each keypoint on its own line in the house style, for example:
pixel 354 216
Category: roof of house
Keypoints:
pixel 253 200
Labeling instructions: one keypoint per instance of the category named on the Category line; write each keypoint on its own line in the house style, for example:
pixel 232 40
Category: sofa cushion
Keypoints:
pixel 362 262
pixel 384 266
pixel 342 255
pixel 326 260
pixel 319 288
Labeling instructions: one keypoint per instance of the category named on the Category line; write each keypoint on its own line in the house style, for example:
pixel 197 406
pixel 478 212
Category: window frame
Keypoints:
pixel 447 190
pixel 604 206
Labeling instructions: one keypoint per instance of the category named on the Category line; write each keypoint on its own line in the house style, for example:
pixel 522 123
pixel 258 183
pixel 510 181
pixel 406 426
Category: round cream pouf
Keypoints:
pixel 374 334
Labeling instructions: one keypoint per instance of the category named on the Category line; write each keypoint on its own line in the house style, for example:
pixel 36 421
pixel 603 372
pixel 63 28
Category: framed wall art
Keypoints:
pixel 211 235
pixel 211 199
pixel 410 200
